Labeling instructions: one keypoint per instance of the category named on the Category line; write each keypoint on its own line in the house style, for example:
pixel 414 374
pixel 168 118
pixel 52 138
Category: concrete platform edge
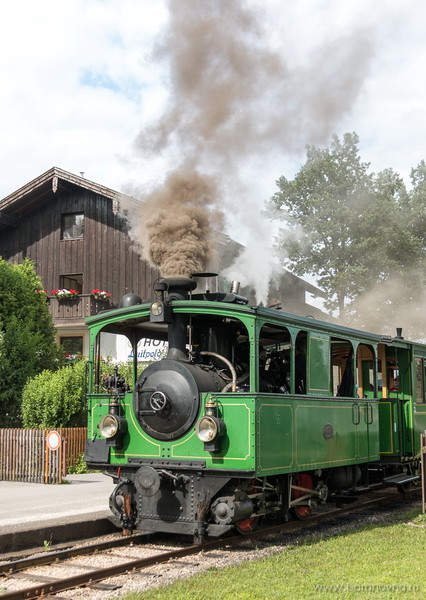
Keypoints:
pixel 49 535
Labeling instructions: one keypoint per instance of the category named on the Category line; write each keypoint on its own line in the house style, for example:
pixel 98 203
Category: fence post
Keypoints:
pixel 54 457
pixel 64 461
pixel 423 469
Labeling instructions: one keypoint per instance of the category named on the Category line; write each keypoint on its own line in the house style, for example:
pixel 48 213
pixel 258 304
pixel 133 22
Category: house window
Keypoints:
pixel 71 345
pixel 72 282
pixel 72 226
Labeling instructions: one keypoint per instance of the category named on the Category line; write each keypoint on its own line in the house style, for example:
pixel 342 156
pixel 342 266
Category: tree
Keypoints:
pixel 416 203
pixel 343 225
pixel 27 335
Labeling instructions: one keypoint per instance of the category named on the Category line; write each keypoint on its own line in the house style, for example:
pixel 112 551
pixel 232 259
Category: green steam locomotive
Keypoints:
pixel 250 413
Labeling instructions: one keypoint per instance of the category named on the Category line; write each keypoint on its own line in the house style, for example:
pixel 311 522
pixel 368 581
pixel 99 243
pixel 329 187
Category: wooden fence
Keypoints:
pixel 39 455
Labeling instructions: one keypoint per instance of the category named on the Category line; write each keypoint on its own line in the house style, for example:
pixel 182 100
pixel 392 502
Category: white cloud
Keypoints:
pixel 78 85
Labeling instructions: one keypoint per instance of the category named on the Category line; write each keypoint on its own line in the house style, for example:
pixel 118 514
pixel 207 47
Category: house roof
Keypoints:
pixel 41 189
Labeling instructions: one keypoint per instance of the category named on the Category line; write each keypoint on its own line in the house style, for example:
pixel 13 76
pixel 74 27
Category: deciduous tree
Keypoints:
pixel 343 225
pixel 27 335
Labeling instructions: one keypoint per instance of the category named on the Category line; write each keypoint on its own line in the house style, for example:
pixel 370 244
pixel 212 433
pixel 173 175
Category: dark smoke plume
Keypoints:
pixel 178 227
pixel 234 101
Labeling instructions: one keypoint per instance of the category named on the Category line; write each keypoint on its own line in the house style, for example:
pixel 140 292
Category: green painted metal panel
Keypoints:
pixel 371 433
pixel 297 434
pixel 419 424
pixel 237 450
pixel 238 446
pixel 389 427
pixel 314 421
pixel 274 422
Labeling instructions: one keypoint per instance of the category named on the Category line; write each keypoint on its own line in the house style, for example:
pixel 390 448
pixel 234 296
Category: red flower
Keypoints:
pixel 100 294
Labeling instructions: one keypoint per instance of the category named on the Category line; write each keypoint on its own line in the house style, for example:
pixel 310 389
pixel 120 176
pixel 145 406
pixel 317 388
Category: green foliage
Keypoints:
pixel 55 399
pixel 107 366
pixel 348 228
pixel 27 335
pixel 79 467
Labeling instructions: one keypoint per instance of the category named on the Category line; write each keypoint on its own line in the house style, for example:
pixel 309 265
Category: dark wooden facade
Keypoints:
pixel 104 258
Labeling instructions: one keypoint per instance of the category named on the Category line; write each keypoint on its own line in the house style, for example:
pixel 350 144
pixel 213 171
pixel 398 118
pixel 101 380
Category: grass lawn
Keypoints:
pixel 379 561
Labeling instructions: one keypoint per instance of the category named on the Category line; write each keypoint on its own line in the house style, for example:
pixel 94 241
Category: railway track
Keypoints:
pixel 52 581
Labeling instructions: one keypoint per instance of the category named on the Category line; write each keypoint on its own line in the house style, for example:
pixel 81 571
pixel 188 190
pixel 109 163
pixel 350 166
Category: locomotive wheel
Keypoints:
pixel 302 480
pixel 247 526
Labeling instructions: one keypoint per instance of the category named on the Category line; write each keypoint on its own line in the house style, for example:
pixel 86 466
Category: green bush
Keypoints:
pixel 55 398
pixel 79 466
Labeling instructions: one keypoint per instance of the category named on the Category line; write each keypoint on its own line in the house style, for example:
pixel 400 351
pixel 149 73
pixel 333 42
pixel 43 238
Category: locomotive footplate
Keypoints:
pixel 167 463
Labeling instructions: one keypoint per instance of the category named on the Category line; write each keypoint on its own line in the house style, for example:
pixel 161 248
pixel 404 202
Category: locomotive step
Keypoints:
pixel 401 479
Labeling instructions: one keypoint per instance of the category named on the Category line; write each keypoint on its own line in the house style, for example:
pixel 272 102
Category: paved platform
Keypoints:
pixel 26 506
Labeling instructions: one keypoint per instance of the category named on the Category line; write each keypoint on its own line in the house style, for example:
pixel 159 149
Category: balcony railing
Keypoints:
pixel 80 307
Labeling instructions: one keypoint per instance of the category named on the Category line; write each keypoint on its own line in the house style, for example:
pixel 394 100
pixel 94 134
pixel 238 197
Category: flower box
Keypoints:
pixel 65 294
pixel 100 295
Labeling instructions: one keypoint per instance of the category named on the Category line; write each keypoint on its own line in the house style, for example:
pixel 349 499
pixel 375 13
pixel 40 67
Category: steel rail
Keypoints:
pixel 91 578
pixel 10 567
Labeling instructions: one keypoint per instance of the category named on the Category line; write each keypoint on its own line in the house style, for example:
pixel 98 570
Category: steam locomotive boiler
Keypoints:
pixel 251 414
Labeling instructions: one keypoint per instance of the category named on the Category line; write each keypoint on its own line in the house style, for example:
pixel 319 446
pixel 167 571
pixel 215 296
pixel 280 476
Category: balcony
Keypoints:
pixel 76 309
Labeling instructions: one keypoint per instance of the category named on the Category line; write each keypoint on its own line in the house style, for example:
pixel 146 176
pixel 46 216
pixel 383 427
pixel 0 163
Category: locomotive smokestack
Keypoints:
pixel 178 288
pixel 399 333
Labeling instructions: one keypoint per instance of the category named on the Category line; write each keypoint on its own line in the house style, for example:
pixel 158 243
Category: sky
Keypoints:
pixel 84 83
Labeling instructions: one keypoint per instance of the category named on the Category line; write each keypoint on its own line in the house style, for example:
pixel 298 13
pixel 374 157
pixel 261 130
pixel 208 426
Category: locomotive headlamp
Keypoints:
pixel 108 426
pixel 210 429
pixel 207 429
pixel 112 427
pixel 160 312
pixel 157 308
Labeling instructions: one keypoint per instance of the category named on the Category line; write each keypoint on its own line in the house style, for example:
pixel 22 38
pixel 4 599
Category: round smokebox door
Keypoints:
pixel 167 400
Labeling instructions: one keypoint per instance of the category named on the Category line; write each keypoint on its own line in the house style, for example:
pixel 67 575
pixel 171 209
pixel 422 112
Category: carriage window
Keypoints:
pixel 420 394
pixel 392 375
pixel 300 363
pixel 342 368
pixel 365 371
pixel 274 359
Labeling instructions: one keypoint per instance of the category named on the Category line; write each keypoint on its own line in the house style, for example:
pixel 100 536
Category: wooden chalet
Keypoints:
pixel 77 233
